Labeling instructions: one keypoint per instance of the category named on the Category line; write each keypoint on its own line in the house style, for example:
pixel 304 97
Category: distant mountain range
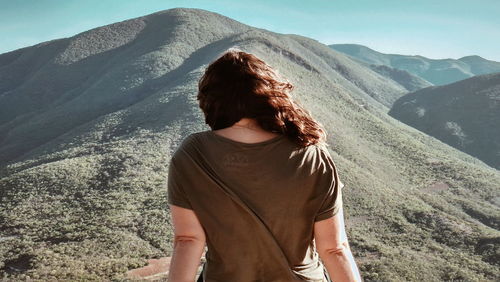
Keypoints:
pixel 437 72
pixel 464 114
pixel 89 123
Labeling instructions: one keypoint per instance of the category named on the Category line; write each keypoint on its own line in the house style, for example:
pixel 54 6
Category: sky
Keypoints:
pixel 436 29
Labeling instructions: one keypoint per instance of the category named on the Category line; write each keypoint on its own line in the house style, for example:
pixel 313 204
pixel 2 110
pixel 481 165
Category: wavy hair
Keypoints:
pixel 240 85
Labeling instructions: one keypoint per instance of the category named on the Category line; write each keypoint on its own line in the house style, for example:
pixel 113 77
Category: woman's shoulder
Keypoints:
pixel 320 158
pixel 318 150
pixel 326 161
pixel 312 157
pixel 186 145
pixel 192 138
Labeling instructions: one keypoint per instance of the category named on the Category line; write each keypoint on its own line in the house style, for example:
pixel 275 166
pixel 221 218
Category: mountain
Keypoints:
pixel 437 72
pixel 407 80
pixel 67 83
pixel 89 123
pixel 464 114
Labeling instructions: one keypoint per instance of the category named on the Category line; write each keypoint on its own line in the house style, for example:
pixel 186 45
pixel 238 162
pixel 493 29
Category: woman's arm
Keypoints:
pixel 333 248
pixel 189 244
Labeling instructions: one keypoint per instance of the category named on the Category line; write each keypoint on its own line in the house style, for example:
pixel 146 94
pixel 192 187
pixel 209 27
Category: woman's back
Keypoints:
pixel 257 204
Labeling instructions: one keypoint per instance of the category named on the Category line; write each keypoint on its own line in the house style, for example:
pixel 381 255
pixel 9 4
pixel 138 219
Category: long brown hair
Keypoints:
pixel 240 85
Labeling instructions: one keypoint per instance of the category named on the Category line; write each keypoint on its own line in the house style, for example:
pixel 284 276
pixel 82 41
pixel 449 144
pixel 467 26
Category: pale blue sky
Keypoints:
pixel 431 28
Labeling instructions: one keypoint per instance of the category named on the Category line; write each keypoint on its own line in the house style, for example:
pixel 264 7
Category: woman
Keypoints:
pixel 260 188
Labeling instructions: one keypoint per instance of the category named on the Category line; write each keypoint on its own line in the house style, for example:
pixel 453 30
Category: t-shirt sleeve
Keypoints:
pixel 176 194
pixel 332 190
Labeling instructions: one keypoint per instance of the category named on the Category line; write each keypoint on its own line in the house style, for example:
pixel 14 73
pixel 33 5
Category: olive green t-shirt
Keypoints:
pixel 257 203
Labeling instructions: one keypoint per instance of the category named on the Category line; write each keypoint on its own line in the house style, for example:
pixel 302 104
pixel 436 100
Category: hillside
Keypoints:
pixel 67 83
pixel 464 114
pixel 88 125
pixel 407 80
pixel 437 72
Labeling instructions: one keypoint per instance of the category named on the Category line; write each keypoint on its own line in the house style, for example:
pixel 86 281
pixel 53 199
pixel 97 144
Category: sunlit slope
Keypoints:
pixel 84 195
pixel 409 81
pixel 464 114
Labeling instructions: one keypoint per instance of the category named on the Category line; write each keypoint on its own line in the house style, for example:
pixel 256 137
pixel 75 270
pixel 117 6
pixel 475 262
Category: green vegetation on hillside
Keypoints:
pixel 464 114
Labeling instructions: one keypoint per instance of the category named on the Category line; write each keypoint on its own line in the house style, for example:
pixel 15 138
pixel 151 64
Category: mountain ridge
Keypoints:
pixel 435 71
pixel 378 86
